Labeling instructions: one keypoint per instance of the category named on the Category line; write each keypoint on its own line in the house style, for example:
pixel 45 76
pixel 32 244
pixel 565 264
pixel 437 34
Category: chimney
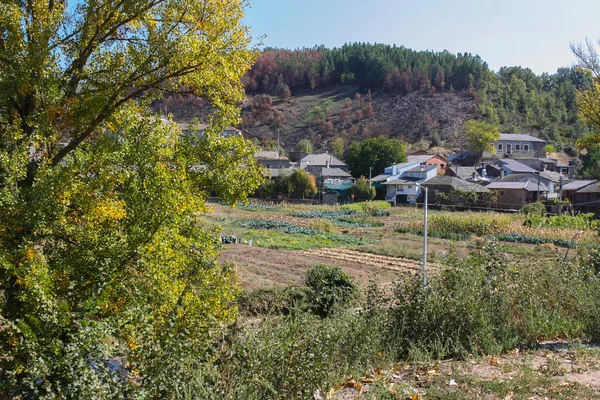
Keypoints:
pixel 483 170
pixel 326 163
pixel 475 175
pixel 501 173
pixel 394 169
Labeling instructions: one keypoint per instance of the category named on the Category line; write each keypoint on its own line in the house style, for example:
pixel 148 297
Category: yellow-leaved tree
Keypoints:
pixel 109 288
pixel 588 98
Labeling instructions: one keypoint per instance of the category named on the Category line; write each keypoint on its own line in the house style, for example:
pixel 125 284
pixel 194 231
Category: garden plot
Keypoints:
pixel 373 260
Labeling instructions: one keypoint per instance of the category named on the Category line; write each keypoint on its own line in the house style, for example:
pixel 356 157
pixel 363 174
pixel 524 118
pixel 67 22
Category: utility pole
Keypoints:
pixel 370 183
pixel 278 152
pixel 538 192
pixel 425 241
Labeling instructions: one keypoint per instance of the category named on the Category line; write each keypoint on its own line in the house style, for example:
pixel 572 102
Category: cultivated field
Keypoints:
pixel 378 244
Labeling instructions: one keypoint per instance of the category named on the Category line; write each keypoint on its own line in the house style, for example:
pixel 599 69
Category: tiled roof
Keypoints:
pixel 593 188
pixel 529 186
pixel 269 155
pixel 577 184
pixel 322 159
pixel 455 183
pixel 515 166
pixel 380 178
pixel 518 137
pixel 405 181
pixel 336 172
pixel 424 167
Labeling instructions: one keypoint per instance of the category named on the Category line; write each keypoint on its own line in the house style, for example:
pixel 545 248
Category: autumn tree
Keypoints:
pixel 588 100
pixel 301 184
pixel 103 266
pixel 376 153
pixel 480 135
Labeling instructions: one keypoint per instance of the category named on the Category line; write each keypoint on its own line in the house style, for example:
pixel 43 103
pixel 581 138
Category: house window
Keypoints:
pixel 525 147
pixel 442 165
pixel 409 187
pixel 500 147
pixel 517 147
pixel 509 148
pixel 501 193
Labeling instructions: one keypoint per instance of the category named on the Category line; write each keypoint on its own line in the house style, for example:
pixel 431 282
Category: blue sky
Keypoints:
pixel 530 33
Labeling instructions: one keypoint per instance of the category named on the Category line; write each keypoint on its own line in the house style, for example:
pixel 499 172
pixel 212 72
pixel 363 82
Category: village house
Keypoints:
pixel 516 145
pixel 272 159
pixel 313 162
pixel 405 185
pixel 448 184
pixel 569 189
pixel 430 159
pixel 514 195
pixel 587 199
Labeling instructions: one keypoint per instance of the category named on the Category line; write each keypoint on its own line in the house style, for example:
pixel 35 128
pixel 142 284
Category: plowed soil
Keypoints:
pixel 260 267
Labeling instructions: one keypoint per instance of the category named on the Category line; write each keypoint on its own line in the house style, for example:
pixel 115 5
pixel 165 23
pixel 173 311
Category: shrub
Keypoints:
pixel 536 209
pixel 362 190
pixel 330 287
pixel 273 301
pixel 486 305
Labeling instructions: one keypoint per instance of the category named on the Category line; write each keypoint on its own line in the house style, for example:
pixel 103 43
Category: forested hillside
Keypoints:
pixel 417 95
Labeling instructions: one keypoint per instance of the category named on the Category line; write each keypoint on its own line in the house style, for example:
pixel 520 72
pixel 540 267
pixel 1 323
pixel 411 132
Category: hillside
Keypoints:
pixel 423 97
pixel 420 119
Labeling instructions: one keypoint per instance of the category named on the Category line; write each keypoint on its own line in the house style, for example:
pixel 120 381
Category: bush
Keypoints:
pixel 485 305
pixel 536 209
pixel 330 288
pixel 362 190
pixel 273 301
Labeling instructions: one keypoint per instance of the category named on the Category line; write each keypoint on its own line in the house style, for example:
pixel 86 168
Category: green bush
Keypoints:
pixel 537 209
pixel 330 288
pixel 485 305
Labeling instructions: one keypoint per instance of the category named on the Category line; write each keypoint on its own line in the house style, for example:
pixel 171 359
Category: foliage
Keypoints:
pixel 362 189
pixel 591 160
pixel 481 224
pixel 480 135
pixel 588 99
pixel 433 233
pixel 104 275
pixel 574 222
pixel 368 207
pixel 484 305
pixel 376 153
pixel 518 238
pixel 537 209
pixel 330 288
pixel 301 241
pixel 338 146
pixel 304 145
pixel 274 301
pixel 301 183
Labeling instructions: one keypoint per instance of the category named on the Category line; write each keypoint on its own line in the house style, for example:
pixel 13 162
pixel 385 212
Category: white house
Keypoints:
pixel 403 181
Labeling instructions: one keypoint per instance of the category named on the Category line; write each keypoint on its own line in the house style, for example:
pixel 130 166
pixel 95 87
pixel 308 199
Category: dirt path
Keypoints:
pixel 260 267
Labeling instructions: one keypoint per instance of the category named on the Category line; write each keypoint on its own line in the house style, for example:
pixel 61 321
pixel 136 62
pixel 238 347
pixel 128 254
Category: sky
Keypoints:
pixel 528 33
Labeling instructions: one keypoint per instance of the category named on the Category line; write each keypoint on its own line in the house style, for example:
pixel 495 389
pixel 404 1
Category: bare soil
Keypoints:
pixel 260 267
